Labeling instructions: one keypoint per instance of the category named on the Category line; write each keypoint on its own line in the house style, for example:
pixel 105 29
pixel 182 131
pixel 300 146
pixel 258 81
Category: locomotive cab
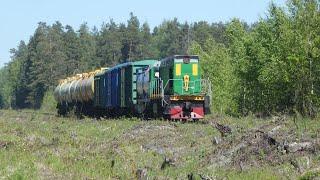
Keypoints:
pixel 181 75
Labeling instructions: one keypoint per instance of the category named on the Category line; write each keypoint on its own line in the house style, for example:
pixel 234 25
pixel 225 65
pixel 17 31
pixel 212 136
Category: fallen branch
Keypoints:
pixel 294 147
pixel 223 129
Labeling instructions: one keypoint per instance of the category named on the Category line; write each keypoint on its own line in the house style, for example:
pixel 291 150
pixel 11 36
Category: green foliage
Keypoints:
pixel 167 38
pixel 276 60
pixel 48 102
pixel 273 63
pixel 87 49
pixel 1 101
pixel 216 65
pixel 109 44
pixel 4 88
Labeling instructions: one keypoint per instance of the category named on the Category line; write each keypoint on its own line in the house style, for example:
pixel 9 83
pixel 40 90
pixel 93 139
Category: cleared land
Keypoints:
pixel 43 146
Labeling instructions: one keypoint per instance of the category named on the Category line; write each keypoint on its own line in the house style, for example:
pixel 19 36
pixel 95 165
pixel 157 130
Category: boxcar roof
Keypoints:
pixel 142 62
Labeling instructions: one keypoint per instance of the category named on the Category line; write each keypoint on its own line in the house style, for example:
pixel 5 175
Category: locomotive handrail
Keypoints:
pixel 205 85
pixel 156 90
pixel 206 88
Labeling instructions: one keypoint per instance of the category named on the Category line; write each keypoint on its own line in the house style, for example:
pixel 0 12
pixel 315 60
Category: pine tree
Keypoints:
pixel 132 40
pixel 87 48
pixel 167 38
pixel 39 55
pixel 20 89
pixel 109 44
pixel 201 32
pixel 72 52
pixel 145 48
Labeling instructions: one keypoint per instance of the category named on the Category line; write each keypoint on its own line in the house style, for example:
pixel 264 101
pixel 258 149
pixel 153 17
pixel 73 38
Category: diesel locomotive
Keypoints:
pixel 171 88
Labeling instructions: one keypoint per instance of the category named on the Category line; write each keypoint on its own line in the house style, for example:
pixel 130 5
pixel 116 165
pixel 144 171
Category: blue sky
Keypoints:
pixel 19 18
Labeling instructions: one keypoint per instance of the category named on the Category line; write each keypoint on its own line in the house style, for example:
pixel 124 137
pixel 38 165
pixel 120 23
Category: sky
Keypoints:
pixel 19 18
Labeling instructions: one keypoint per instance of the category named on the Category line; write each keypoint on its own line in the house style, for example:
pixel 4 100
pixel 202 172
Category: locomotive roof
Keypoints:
pixel 180 57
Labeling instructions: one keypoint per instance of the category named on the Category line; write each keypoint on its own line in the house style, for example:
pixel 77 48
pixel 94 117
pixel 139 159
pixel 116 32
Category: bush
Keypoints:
pixel 48 102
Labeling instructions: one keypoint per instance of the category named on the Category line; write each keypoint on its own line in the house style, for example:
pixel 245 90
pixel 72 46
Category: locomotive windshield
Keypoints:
pixel 186 59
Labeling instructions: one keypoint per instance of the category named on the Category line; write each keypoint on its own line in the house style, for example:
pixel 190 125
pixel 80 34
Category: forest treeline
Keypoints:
pixel 271 66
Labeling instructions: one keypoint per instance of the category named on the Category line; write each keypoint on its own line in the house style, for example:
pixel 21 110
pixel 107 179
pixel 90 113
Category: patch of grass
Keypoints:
pixel 255 173
pixel 310 175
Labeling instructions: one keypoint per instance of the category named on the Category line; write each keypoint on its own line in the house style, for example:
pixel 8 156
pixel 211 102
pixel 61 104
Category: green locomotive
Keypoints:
pixel 173 88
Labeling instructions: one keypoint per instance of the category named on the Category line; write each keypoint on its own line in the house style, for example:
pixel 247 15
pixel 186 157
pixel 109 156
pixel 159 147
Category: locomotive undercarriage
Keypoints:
pixel 176 109
pixel 185 108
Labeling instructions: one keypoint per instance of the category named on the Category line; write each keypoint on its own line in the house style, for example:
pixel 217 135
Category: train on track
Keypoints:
pixel 171 88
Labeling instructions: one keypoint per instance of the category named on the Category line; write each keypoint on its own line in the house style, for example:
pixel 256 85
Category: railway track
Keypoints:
pixel 106 118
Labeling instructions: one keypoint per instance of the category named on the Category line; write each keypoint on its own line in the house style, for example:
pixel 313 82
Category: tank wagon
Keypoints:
pixel 171 88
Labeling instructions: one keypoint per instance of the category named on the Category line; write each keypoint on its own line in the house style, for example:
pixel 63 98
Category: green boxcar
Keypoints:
pixel 135 66
pixel 97 78
pixel 123 87
pixel 99 92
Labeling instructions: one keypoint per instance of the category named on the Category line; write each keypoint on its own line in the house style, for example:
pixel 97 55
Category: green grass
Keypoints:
pixel 39 146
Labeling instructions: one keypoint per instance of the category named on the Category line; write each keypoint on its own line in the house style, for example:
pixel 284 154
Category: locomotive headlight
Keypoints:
pixel 186 60
pixel 156 74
